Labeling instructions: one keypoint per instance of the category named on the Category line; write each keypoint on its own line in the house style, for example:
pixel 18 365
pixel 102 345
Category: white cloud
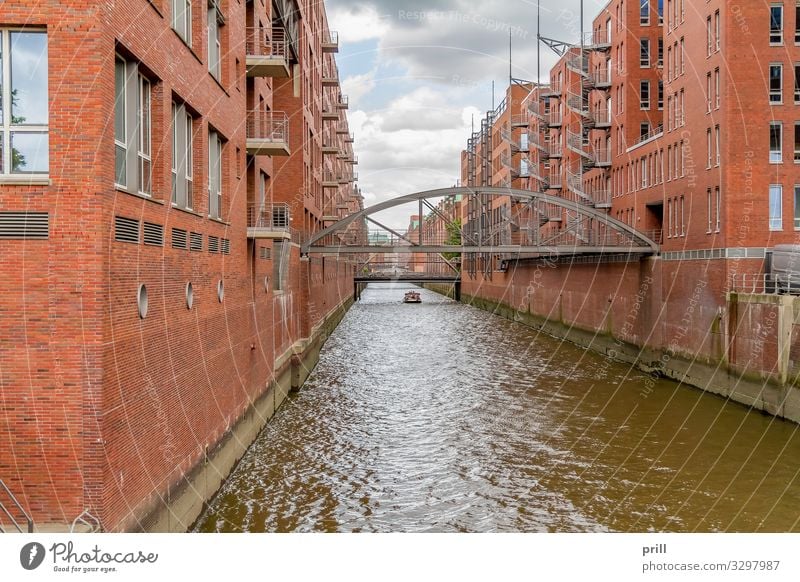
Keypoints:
pixel 357 23
pixel 357 86
pixel 413 144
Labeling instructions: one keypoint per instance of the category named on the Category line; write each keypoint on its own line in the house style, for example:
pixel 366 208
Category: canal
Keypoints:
pixel 441 417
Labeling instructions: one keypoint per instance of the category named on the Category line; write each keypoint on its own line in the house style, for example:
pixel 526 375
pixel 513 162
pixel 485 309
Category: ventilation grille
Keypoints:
pixel 178 238
pixel 213 244
pixel 126 230
pixel 153 234
pixel 24 225
pixel 266 253
pixel 226 246
pixel 196 241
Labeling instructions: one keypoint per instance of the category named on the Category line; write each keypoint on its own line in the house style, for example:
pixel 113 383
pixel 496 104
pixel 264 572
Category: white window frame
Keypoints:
pixel 182 19
pixel 776 156
pixel 182 157
pixel 644 87
pixel 776 221
pixel 776 35
pixel 145 149
pixel 215 168
pixel 215 20
pixel 8 127
pixel 775 96
pixel 644 64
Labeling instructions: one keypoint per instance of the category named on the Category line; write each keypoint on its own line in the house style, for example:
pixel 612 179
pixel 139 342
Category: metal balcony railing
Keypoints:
pixel 329 180
pixel 653 133
pixel 555 119
pixel 555 150
pixel 343 102
pixel 599 79
pixel 578 63
pixel 520 120
pixel 267 43
pixel 330 41
pixel 330 74
pixel 267 132
pixel 554 179
pixel 601 198
pixel 536 109
pixel 552 90
pixel 267 52
pixel 600 118
pixel 271 217
pixel 596 40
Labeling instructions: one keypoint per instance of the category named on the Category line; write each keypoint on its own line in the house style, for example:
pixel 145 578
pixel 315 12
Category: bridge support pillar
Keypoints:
pixel 457 290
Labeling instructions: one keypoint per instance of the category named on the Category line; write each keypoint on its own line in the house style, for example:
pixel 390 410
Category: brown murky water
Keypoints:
pixel 440 417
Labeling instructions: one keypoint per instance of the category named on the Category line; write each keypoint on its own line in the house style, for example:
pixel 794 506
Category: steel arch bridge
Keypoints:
pixel 497 221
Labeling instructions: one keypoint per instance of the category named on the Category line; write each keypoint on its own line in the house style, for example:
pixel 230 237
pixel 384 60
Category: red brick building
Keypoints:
pixel 677 118
pixel 162 161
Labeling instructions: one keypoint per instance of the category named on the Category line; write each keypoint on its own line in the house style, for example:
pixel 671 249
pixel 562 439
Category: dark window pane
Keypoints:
pixel 29 78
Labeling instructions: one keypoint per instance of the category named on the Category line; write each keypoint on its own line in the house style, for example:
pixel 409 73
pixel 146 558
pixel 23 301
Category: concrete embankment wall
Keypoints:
pixel 670 319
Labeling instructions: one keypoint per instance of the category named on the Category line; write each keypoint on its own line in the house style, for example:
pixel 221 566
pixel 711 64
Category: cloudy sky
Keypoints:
pixel 417 71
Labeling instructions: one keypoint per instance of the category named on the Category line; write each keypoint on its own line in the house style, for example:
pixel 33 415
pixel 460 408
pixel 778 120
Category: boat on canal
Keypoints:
pixel 412 297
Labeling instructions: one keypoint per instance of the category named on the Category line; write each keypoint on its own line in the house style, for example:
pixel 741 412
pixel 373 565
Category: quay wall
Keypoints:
pixel 668 318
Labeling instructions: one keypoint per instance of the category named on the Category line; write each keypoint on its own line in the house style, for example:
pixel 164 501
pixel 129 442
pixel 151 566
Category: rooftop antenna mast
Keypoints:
pixel 510 76
pixel 538 42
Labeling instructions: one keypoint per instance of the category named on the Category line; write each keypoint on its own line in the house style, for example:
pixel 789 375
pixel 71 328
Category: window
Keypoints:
pixel 708 93
pixel 719 207
pixel 776 24
pixel 644 94
pixel 182 19
pixel 214 175
pixel 683 56
pixel 716 88
pixel 660 95
pixel 644 129
pixel 182 158
pixel 710 210
pixel 776 207
pixel 775 142
pixel 717 143
pixel 776 83
pixel 710 148
pixel 797 84
pixel 215 20
pixel 24 114
pixel 132 129
pixel 709 35
pixel 797 24
pixel 644 52
pixel 644 12
pixel 717 31
pixel 660 54
pixel 683 218
pixel 797 142
pixel 797 207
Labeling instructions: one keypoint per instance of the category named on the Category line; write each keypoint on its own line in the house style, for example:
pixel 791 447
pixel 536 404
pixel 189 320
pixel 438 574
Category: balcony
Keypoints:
pixel 555 151
pixel 330 149
pixel 597 40
pixel 536 108
pixel 330 75
pixel 554 180
pixel 329 111
pixel 343 102
pixel 267 133
pixel 602 198
pixel 329 180
pixel 600 118
pixel 341 128
pixel 353 160
pixel 271 221
pixel 330 41
pixel 350 138
pixel 598 79
pixel 578 63
pixel 555 119
pixel 552 91
pixel 267 53
pixel 519 120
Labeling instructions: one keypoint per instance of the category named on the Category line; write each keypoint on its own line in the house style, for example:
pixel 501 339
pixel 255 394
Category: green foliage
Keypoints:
pixel 453 238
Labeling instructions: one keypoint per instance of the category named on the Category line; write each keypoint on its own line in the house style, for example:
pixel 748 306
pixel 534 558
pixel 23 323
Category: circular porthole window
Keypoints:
pixel 220 291
pixel 189 296
pixel 141 300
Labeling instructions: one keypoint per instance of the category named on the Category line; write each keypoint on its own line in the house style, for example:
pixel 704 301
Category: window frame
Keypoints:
pixel 7 127
pixel 183 28
pixel 776 155
pixel 776 221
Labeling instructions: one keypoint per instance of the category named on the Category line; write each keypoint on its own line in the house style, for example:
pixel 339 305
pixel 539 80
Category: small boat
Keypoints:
pixel 412 297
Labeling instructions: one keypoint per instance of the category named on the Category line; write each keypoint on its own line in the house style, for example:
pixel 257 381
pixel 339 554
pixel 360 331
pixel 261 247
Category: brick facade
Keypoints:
pixel 105 411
